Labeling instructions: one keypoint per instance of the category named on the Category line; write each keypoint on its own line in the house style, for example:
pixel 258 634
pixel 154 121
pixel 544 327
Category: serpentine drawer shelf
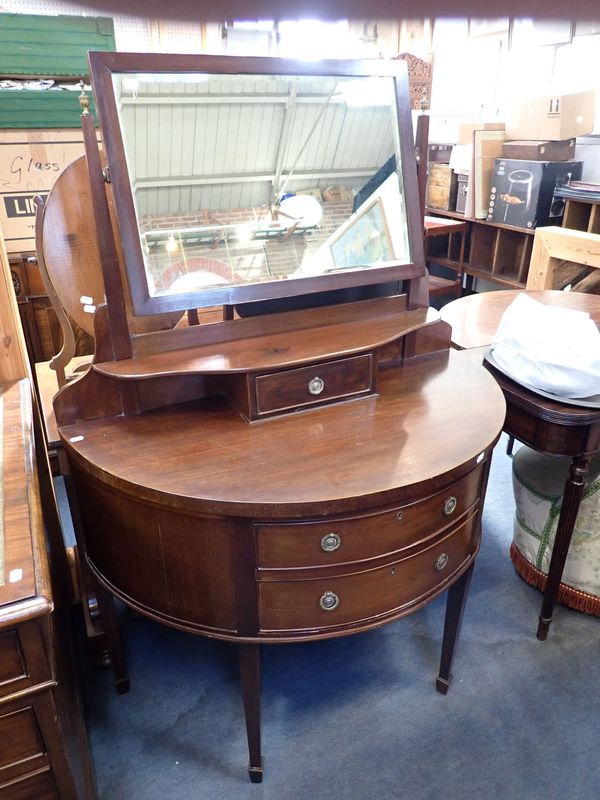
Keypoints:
pixel 277 349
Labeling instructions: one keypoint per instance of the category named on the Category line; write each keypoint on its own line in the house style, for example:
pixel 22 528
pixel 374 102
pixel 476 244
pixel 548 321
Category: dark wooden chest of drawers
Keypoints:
pixel 39 713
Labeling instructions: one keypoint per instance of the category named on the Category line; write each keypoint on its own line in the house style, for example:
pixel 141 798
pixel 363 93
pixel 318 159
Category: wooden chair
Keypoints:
pixel 438 226
pixel 70 265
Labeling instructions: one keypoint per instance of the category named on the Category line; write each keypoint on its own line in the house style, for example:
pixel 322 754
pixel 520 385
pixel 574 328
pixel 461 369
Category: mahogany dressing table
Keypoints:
pixel 285 477
pixel 548 426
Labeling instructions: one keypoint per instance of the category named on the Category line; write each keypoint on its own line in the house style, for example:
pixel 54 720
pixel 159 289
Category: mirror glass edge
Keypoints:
pixel 102 67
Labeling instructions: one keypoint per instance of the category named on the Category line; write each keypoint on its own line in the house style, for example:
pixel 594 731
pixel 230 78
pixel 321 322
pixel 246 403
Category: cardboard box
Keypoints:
pixel 522 191
pixel 487 146
pixel 338 194
pixel 467 129
pixel 552 117
pixel 442 185
pixel 540 151
pixel 30 163
pixel 316 193
pixel 439 152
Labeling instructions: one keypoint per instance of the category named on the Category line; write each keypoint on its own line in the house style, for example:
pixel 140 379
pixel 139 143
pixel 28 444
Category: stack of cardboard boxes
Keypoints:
pixel 463 184
pixel 537 157
pixel 507 172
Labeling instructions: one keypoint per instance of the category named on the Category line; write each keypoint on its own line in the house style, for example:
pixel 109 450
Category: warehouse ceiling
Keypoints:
pixel 226 142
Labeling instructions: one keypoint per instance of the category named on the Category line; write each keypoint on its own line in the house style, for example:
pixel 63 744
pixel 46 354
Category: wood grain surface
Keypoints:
pixel 276 350
pixel 72 256
pixel 474 319
pixel 317 461
pixel 18 580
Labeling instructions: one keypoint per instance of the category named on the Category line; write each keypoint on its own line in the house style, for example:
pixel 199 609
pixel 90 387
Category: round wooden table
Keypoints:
pixel 549 426
pixel 475 318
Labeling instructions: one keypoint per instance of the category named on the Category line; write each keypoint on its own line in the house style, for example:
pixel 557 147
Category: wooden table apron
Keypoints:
pixel 225 521
pixel 545 425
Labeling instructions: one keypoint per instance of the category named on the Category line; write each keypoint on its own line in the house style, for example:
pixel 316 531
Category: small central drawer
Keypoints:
pixel 303 387
pixel 321 603
pixel 338 541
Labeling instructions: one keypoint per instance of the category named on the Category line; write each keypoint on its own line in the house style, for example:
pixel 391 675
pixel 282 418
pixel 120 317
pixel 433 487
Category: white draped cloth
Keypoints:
pixel 550 348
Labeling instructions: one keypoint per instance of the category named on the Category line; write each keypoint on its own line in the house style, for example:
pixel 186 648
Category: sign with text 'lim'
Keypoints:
pixel 30 163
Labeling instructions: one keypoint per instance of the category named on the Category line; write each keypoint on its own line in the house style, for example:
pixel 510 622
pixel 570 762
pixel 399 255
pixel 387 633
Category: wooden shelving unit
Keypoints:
pixel 582 215
pixel 500 253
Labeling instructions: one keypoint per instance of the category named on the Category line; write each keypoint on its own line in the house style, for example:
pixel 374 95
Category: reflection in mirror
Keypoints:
pixel 241 179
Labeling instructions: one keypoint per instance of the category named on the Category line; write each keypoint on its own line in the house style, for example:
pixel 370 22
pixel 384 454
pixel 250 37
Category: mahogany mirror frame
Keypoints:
pixel 102 67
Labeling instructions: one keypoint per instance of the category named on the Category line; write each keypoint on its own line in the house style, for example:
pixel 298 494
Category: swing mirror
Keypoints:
pixel 238 179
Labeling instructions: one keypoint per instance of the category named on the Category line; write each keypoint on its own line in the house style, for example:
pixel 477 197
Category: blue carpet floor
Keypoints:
pixel 359 718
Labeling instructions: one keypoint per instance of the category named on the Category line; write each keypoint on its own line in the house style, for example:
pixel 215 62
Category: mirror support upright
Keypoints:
pixel 115 297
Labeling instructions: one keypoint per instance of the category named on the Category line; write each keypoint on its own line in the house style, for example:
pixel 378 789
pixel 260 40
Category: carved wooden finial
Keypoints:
pixel 84 100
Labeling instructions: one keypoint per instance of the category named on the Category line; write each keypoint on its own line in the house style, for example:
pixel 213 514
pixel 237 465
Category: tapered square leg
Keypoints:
pixel 455 606
pixel 249 655
pixel 574 488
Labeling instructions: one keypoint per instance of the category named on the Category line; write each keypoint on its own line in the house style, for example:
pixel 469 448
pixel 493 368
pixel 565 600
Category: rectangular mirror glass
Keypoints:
pixel 246 186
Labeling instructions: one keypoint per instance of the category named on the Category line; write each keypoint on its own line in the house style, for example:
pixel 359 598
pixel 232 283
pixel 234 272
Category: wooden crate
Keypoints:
pixel 442 187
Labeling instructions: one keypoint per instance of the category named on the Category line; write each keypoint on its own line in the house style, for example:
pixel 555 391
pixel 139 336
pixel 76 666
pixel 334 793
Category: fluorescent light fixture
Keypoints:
pixel 367 92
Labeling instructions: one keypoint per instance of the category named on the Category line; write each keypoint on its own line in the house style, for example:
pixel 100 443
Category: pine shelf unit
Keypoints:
pixel 500 253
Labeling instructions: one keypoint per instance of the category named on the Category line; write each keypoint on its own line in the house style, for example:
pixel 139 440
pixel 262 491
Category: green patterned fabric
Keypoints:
pixel 538 483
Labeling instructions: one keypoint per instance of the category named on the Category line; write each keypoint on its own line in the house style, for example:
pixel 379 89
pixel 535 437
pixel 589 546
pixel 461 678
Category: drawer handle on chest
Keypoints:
pixel 329 601
pixel 441 561
pixel 316 386
pixel 450 506
pixel 330 542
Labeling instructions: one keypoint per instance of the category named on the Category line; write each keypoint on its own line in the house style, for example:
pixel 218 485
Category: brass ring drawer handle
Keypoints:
pixel 316 386
pixel 450 506
pixel 441 561
pixel 329 601
pixel 330 542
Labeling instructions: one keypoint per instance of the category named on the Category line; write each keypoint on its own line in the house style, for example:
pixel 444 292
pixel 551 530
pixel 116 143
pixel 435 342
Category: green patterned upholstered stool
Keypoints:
pixel 538 483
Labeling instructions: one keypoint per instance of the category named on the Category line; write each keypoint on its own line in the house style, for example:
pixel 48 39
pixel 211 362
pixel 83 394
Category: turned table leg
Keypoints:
pixel 455 606
pixel 110 624
pixel 572 495
pixel 249 655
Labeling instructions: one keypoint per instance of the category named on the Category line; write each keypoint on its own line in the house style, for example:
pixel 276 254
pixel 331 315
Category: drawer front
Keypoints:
pixel 37 787
pixel 316 384
pixel 311 544
pixel 12 662
pixel 323 603
pixel 22 746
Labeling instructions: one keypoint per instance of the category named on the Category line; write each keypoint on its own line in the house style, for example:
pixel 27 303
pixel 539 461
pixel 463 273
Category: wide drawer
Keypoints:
pixel 310 544
pixel 318 383
pixel 38 787
pixel 13 669
pixel 22 747
pixel 323 603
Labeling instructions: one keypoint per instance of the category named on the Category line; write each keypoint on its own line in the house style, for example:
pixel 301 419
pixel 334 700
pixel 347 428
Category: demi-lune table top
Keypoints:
pixel 424 422
pixel 475 318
